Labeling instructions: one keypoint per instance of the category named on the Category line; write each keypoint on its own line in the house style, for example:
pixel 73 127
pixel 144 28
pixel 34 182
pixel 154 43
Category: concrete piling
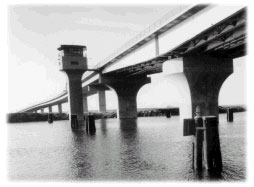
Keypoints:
pixel 230 115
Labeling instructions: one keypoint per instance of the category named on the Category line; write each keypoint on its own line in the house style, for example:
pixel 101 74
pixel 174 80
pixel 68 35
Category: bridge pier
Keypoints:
pixel 205 76
pixel 42 110
pixel 50 109
pixel 85 104
pixel 73 62
pixel 100 89
pixel 102 101
pixel 126 90
pixel 60 108
pixel 75 96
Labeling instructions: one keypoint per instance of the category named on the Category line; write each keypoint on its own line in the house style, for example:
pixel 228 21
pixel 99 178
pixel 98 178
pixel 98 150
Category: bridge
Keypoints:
pixel 195 43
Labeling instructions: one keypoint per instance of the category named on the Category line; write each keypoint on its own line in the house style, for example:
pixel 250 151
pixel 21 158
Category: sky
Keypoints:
pixel 35 33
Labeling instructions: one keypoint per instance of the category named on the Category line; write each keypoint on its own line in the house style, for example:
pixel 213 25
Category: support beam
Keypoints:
pixel 102 101
pixel 60 108
pixel 50 109
pixel 126 90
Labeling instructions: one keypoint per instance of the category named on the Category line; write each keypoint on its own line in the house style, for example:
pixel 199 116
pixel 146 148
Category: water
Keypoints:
pixel 153 148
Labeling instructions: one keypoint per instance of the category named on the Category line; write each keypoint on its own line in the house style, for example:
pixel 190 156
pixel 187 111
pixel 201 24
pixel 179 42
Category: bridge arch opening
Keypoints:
pixel 233 90
pixel 166 91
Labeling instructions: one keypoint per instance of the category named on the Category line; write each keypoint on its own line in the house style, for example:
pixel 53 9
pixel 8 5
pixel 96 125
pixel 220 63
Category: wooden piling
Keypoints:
pixel 91 129
pixel 168 114
pixel 198 144
pixel 50 118
pixel 212 144
pixel 74 121
pixel 230 115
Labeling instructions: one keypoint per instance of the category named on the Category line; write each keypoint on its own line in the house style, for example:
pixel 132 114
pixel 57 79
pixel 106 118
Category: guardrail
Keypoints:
pixel 149 30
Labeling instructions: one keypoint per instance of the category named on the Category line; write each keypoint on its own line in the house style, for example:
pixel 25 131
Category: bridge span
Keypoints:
pixel 197 43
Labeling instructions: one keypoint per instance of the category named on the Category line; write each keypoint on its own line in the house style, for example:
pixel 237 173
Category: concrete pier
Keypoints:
pixel 85 104
pixel 74 64
pixel 42 110
pixel 60 108
pixel 205 76
pixel 126 90
pixel 102 101
pixel 75 97
pixel 50 109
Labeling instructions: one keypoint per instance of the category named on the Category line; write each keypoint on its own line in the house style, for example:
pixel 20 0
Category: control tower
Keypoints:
pixel 73 61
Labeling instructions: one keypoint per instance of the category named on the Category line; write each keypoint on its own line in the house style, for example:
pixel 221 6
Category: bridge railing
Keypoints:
pixel 139 37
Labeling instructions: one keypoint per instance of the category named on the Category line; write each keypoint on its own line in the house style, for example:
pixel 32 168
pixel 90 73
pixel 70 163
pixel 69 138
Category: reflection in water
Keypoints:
pixel 103 126
pixel 144 149
pixel 129 148
pixel 208 175
pixel 81 155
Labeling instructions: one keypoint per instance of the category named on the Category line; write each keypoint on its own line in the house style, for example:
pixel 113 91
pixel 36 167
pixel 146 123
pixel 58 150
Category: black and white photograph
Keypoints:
pixel 127 92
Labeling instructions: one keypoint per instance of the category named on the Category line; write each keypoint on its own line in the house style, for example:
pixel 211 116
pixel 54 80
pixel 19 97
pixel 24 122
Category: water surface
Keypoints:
pixel 152 148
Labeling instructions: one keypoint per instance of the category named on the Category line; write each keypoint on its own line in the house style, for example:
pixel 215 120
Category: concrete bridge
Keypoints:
pixel 195 45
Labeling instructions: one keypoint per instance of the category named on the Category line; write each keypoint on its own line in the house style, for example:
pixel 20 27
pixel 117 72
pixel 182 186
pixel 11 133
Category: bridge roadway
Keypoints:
pixel 197 43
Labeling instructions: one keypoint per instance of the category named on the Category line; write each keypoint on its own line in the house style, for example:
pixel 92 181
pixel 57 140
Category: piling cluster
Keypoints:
pixel 206 142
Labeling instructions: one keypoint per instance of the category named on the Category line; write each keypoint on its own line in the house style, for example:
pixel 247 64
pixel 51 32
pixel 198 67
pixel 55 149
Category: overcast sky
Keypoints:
pixel 35 32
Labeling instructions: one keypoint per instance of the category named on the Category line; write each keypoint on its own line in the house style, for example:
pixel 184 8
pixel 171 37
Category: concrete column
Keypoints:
pixel 205 76
pixel 50 109
pixel 60 108
pixel 85 104
pixel 102 101
pixel 75 97
pixel 42 110
pixel 126 90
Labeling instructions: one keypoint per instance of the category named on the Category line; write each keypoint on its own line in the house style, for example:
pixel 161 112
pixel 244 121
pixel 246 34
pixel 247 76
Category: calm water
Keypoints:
pixel 153 148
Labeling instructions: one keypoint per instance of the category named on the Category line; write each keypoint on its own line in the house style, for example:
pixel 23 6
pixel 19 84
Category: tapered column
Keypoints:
pixel 126 90
pixel 60 108
pixel 102 101
pixel 42 110
pixel 85 104
pixel 50 109
pixel 205 76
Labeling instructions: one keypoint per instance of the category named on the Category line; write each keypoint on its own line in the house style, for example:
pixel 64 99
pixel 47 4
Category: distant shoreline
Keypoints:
pixel 142 112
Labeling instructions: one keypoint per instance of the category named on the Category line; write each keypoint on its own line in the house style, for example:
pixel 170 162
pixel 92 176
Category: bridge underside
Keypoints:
pixel 226 39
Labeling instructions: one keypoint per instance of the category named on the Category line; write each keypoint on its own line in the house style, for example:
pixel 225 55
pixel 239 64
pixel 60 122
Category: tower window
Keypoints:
pixel 74 62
